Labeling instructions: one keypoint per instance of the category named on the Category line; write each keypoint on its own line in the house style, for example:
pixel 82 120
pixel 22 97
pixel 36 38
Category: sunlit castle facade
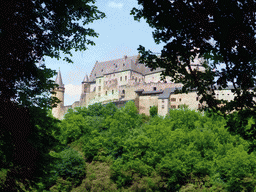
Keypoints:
pixel 125 79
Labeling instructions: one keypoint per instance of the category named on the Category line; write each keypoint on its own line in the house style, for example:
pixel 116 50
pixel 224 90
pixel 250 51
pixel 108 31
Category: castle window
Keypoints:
pixel 99 95
pixel 99 88
pixel 162 101
pixel 173 99
pixel 154 88
pixel 123 64
pixel 180 99
pixel 123 91
pixel 196 98
pixel 136 79
pixel 112 91
pixel 125 78
pixel 99 80
pixel 120 78
pixel 162 106
pixel 132 77
pixel 101 70
pixel 106 93
pixel 173 106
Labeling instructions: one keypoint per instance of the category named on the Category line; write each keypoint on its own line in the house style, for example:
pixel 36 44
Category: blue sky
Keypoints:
pixel 119 35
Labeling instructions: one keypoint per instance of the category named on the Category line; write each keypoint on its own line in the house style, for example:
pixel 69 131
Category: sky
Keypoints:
pixel 119 35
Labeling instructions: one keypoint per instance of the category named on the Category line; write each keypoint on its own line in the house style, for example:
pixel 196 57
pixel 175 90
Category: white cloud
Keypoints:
pixel 113 4
pixel 73 90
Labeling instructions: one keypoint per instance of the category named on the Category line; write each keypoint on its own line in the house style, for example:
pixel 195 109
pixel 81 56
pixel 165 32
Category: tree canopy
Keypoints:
pixel 222 32
pixel 30 30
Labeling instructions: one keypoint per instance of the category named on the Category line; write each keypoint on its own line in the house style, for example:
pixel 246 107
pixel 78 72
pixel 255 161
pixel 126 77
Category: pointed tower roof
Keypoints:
pixel 86 78
pixel 59 80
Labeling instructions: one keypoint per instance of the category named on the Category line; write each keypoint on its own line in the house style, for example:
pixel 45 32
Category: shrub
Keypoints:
pixel 61 185
pixel 70 165
pixel 153 111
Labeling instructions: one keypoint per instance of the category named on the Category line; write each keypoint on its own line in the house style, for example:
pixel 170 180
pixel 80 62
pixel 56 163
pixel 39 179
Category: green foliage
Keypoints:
pixel 97 109
pixel 92 145
pixel 70 165
pixel 61 185
pixel 153 111
pixel 243 123
pixel 221 32
pixel 43 28
pixel 184 142
pixel 186 151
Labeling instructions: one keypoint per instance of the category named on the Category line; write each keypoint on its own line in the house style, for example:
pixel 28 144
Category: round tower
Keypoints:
pixel 58 111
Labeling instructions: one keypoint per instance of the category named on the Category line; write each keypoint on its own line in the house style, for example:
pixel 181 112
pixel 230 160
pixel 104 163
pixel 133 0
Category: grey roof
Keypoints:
pixel 118 65
pixel 139 90
pixel 142 92
pixel 167 92
pixel 58 80
pixel 152 92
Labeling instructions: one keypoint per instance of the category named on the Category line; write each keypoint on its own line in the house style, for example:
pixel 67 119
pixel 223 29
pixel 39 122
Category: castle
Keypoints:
pixel 125 79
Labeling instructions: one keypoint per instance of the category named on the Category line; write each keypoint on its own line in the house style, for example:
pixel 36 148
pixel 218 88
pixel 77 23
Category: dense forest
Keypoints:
pixel 105 148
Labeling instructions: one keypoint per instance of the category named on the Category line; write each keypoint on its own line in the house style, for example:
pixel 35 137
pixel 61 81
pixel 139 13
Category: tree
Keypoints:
pixel 30 30
pixel 153 111
pixel 222 32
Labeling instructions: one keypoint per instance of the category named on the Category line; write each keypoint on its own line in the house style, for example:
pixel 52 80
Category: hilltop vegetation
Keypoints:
pixel 104 148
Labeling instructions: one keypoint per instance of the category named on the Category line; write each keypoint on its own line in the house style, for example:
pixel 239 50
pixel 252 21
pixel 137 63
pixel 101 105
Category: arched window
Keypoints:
pixel 123 91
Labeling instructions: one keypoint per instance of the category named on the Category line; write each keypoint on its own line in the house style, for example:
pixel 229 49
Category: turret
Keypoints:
pixel 85 85
pixel 58 111
pixel 85 90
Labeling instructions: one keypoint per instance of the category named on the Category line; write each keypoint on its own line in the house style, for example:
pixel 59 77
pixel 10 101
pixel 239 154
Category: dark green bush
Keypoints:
pixel 153 111
pixel 70 166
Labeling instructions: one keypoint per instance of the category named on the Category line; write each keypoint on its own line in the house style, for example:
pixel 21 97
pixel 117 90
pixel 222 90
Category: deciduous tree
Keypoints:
pixel 222 32
pixel 30 30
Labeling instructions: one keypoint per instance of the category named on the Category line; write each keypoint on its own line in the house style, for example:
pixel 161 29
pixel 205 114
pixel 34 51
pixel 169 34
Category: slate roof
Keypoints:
pixel 86 78
pixel 118 65
pixel 58 80
pixel 167 92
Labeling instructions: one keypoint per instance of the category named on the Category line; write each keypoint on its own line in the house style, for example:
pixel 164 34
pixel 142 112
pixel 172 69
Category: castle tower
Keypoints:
pixel 85 90
pixel 59 110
